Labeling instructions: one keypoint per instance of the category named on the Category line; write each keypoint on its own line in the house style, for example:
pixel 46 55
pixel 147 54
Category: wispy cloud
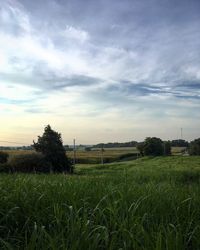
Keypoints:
pixel 99 63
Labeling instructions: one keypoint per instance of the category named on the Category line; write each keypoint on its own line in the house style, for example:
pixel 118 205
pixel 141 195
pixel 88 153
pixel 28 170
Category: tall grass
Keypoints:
pixel 143 204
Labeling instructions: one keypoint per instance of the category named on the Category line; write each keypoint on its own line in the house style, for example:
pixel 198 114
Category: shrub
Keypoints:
pixel 3 157
pixel 29 163
pixel 153 146
pixel 88 149
pixel 140 148
pixel 167 148
pixel 128 155
pixel 194 148
pixel 4 168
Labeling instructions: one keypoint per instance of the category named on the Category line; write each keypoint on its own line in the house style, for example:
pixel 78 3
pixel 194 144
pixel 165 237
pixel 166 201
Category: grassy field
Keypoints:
pixel 109 154
pixel 93 156
pixel 149 203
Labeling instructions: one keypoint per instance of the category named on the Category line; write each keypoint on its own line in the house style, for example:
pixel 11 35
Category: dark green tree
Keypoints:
pixel 153 146
pixel 194 148
pixel 140 148
pixel 179 143
pixel 51 146
pixel 167 148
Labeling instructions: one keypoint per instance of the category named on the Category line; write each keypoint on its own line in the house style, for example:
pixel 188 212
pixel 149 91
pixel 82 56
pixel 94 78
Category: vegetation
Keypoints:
pixel 29 163
pixel 167 148
pixel 149 203
pixel 3 157
pixel 109 155
pixel 179 143
pixel 94 156
pixel 195 147
pixel 116 144
pixel 51 146
pixel 154 146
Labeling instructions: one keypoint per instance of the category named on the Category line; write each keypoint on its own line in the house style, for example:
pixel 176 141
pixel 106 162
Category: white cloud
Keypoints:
pixel 29 57
pixel 77 34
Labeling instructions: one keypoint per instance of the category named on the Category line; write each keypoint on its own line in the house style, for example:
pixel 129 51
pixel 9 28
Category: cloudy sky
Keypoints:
pixel 99 71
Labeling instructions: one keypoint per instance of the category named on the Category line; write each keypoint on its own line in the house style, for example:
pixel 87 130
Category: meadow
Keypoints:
pixel 148 203
pixel 94 156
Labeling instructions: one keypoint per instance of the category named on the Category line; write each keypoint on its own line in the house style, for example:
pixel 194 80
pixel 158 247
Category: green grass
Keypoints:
pixel 149 203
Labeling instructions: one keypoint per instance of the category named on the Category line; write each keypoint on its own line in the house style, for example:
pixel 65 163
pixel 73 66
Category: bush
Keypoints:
pixel 29 163
pixel 167 148
pixel 88 149
pixel 140 148
pixel 3 157
pixel 128 155
pixel 179 143
pixel 194 148
pixel 4 168
pixel 153 146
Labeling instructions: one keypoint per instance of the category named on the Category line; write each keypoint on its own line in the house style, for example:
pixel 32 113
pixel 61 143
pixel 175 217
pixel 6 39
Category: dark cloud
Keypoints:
pixel 193 85
pixel 124 20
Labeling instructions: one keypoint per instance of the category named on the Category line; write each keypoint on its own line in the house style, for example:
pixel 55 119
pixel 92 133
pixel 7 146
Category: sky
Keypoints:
pixel 99 71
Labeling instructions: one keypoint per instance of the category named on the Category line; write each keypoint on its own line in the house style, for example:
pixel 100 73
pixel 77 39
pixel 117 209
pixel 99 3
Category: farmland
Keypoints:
pixel 148 203
pixel 94 156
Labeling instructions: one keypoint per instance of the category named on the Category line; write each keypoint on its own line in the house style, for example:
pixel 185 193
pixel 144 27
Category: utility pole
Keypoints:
pixel 181 133
pixel 74 149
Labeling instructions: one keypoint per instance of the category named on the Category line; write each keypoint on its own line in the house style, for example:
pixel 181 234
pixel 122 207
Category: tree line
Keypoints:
pixel 174 143
pixel 50 154
pixel 155 146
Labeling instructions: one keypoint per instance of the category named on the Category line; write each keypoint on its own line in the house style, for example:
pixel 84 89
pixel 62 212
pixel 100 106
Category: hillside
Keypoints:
pixel 149 203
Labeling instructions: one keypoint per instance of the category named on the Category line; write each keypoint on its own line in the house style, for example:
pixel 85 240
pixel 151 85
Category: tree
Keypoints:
pixel 51 146
pixel 179 143
pixel 153 146
pixel 194 148
pixel 167 148
pixel 140 148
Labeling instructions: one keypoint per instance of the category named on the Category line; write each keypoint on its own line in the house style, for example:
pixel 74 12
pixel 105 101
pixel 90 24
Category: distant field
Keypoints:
pixel 109 154
pixel 149 203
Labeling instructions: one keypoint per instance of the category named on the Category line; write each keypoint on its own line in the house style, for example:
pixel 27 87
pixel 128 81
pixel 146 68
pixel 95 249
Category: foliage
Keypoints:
pixel 194 148
pixel 140 148
pixel 3 157
pixel 144 204
pixel 167 148
pixel 4 168
pixel 68 148
pixel 50 144
pixel 179 143
pixel 29 163
pixel 153 146
pixel 88 149
pixel 116 144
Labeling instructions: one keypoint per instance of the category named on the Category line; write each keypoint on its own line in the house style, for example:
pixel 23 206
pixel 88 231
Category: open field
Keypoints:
pixel 109 154
pixel 149 203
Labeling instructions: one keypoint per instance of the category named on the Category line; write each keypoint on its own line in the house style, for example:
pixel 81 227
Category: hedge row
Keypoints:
pixel 25 163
